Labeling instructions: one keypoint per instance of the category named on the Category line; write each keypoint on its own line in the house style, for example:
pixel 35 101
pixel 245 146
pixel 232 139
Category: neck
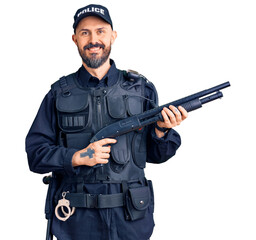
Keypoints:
pixel 99 72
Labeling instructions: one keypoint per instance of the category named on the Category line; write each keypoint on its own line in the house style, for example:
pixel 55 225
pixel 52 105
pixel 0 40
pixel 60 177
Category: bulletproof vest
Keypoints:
pixel 83 112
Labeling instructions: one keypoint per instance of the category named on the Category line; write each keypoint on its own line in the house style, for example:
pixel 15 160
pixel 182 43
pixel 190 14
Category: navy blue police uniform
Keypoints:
pixel 113 201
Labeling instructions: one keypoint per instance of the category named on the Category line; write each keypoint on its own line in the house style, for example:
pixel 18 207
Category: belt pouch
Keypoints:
pixel 137 202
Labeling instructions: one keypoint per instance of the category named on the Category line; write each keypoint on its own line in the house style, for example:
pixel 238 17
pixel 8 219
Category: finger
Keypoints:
pixel 177 114
pixel 107 141
pixel 101 158
pixel 166 119
pixel 183 112
pixel 105 156
pixel 106 149
pixel 171 117
pixel 101 161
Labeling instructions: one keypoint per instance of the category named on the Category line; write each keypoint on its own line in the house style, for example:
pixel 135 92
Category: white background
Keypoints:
pixel 205 192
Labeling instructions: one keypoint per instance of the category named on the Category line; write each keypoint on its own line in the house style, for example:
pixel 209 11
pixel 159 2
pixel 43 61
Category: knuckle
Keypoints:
pixel 174 123
pixel 173 119
pixel 97 149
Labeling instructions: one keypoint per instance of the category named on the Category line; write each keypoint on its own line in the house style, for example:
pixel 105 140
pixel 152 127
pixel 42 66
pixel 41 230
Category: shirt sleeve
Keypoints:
pixel 159 150
pixel 43 152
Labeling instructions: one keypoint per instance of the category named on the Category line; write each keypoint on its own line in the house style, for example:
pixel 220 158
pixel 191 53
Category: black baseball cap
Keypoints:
pixel 92 10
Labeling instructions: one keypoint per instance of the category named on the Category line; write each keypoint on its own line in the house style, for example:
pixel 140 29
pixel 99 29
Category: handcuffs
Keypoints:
pixel 64 204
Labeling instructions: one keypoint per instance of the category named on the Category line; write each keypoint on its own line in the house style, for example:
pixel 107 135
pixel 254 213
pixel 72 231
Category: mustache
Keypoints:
pixel 90 45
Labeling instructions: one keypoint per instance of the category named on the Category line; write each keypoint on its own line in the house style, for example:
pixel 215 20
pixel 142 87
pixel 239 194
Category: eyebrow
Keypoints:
pixel 85 29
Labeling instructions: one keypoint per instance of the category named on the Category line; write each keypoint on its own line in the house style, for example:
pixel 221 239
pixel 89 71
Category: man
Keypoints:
pixel 98 189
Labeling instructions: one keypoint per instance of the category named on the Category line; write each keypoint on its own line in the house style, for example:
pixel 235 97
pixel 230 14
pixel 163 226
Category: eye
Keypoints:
pixel 100 31
pixel 85 33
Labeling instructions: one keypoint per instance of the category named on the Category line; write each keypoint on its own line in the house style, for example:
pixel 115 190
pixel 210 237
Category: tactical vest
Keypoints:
pixel 82 112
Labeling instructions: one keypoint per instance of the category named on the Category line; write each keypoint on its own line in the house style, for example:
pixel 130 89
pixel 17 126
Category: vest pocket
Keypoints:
pixel 116 106
pixel 73 112
pixel 134 105
pixel 124 106
pixel 120 154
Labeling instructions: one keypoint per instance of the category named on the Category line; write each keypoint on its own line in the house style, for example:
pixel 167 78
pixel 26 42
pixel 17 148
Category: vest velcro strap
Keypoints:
pixel 83 200
pixel 64 86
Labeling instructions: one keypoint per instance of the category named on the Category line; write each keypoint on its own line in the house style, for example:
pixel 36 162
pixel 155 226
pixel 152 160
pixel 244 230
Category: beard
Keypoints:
pixel 93 60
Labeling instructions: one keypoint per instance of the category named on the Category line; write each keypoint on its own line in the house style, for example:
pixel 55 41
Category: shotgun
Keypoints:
pixel 138 121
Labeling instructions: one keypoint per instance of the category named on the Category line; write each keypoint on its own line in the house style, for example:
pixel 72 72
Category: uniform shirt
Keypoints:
pixel 44 155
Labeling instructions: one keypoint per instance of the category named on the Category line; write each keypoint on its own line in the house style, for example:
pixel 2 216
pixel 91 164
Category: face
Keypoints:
pixel 94 38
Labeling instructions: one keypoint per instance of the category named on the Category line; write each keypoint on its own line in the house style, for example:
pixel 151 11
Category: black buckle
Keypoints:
pixel 92 201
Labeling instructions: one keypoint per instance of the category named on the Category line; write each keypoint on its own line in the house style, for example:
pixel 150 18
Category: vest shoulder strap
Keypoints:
pixel 64 85
pixel 134 76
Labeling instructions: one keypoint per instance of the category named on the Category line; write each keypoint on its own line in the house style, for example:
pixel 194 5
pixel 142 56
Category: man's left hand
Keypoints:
pixel 172 117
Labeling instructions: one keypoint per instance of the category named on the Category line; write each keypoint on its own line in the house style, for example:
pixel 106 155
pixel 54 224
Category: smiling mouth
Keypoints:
pixel 94 49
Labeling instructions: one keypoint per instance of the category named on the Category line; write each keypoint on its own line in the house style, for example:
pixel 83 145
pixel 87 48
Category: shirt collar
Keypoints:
pixel 85 79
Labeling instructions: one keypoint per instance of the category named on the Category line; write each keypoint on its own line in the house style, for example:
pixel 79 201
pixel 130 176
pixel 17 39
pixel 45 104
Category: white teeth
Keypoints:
pixel 94 48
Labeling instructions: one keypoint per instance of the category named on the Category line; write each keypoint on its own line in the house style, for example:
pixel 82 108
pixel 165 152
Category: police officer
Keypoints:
pixel 99 190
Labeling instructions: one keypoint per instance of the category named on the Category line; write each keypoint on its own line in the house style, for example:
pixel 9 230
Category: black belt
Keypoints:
pixel 95 200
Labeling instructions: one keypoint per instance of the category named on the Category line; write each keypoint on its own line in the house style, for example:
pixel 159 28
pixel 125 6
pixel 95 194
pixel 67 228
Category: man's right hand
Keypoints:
pixel 94 153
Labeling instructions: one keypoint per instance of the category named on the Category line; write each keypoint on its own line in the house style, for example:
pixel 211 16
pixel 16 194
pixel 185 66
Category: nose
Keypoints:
pixel 94 38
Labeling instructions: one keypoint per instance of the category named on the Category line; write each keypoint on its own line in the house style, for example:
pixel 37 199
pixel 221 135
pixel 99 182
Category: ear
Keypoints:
pixel 113 36
pixel 74 38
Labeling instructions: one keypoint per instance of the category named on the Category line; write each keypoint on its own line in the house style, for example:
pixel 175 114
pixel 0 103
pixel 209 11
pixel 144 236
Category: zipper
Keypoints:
pixel 100 172
pixel 99 114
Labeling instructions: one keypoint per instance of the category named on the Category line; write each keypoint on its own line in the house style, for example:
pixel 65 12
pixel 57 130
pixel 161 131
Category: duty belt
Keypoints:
pixel 82 200
pixel 135 204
